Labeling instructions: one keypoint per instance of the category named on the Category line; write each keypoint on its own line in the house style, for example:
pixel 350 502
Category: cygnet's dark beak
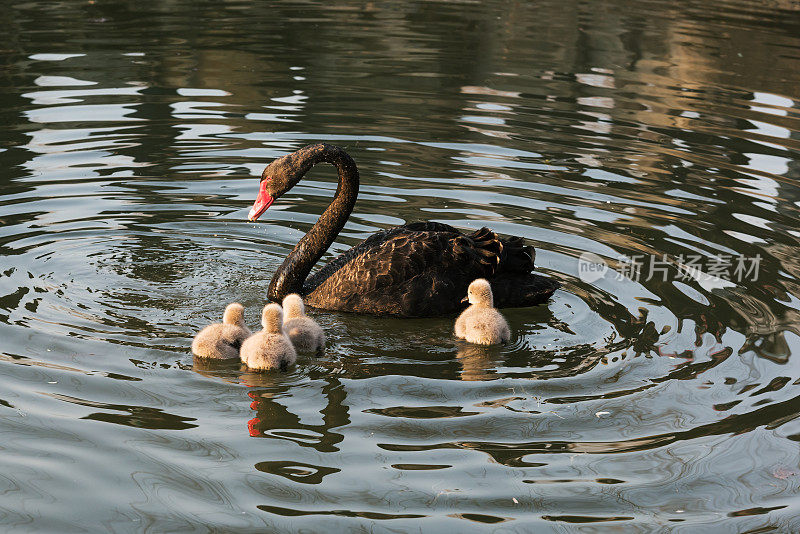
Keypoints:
pixel 465 300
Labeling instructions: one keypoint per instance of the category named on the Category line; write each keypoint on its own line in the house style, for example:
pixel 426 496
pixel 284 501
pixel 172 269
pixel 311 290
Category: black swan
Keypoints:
pixel 415 270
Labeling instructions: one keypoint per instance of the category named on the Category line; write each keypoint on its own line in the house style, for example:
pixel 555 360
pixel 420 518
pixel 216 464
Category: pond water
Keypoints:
pixel 658 395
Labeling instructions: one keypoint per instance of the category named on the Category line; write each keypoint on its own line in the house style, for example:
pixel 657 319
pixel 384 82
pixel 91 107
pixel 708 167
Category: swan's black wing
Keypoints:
pixel 420 269
pixel 315 279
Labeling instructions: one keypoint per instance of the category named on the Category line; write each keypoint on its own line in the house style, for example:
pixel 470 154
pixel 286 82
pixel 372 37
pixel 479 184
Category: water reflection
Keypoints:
pixel 274 420
pixel 133 137
pixel 477 362
pixel 296 472
pixel 137 416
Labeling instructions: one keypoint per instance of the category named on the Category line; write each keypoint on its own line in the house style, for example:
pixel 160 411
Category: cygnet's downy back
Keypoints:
pixel 270 348
pixel 481 323
pixel 305 333
pixel 223 340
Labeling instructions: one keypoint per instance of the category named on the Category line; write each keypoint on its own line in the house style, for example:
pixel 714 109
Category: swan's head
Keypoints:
pixel 234 314
pixel 480 292
pixel 283 174
pixel 293 306
pixel 272 318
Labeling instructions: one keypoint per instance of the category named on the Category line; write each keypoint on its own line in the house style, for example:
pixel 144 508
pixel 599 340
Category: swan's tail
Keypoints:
pixel 494 255
pixel 522 290
pixel 516 257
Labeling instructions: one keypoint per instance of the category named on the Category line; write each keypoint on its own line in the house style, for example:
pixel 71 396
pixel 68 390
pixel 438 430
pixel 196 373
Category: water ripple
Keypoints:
pixel 133 142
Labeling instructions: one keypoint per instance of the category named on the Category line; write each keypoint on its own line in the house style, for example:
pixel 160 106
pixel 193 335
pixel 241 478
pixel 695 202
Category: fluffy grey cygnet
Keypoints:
pixel 223 340
pixel 270 348
pixel 481 323
pixel 305 333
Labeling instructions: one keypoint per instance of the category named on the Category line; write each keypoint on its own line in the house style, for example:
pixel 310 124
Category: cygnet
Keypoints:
pixel 481 323
pixel 305 333
pixel 223 340
pixel 270 348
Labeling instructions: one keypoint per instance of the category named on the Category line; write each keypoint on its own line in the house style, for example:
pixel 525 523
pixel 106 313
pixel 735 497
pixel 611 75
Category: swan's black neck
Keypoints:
pixel 292 273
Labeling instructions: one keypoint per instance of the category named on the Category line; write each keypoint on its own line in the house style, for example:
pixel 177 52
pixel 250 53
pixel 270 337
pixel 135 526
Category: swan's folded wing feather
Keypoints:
pixel 414 270
pixel 370 244
pixel 391 262
pixel 397 274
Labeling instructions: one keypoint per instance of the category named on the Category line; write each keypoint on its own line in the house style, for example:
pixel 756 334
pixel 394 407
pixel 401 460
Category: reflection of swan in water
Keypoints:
pixel 305 333
pixel 223 340
pixel 270 348
pixel 274 420
pixel 419 269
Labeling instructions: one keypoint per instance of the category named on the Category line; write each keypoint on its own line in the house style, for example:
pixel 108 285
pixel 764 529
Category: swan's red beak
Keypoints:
pixel 263 201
